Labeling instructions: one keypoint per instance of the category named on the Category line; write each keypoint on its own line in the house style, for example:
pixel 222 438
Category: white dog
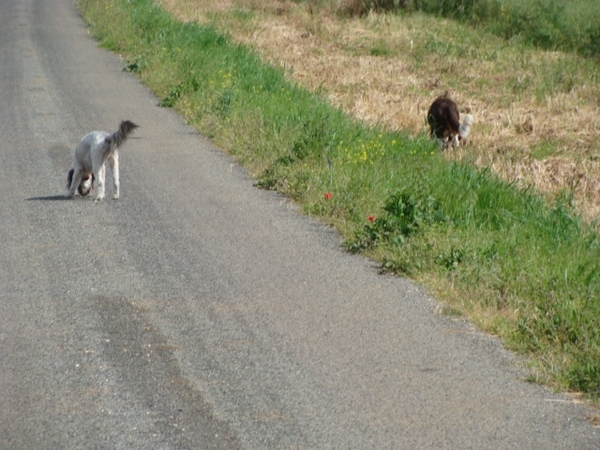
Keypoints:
pixel 93 150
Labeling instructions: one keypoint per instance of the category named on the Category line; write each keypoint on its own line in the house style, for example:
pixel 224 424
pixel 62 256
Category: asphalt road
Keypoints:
pixel 199 312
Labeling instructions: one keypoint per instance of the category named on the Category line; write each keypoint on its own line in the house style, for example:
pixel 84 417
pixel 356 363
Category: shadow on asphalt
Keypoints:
pixel 49 198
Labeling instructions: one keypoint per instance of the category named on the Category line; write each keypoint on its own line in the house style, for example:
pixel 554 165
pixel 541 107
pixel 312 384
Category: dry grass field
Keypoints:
pixel 536 112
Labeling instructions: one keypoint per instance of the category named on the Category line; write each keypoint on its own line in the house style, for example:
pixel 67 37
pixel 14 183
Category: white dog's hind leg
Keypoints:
pixel 100 175
pixel 113 162
pixel 77 175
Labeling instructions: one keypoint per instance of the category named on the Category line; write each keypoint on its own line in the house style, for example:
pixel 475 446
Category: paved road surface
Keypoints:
pixel 198 312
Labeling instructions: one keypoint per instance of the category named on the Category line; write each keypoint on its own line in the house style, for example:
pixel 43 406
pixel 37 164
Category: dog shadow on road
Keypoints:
pixel 49 198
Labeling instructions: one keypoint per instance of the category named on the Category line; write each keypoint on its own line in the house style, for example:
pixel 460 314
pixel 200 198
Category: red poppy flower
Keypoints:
pixel 371 218
pixel 328 195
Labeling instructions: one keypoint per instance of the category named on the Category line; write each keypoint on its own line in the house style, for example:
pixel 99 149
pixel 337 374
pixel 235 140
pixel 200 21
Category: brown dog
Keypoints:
pixel 444 123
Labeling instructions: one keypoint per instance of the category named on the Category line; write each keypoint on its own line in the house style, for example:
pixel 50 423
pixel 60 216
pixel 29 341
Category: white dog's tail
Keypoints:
pixel 118 137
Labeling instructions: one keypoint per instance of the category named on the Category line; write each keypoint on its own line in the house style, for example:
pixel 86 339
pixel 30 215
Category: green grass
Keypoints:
pixel 570 25
pixel 479 243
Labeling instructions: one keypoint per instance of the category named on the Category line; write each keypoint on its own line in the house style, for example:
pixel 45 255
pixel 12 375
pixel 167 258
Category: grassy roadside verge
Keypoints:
pixel 514 264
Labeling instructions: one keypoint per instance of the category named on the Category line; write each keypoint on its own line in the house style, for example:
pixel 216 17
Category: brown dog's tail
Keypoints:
pixel 118 137
pixel 465 127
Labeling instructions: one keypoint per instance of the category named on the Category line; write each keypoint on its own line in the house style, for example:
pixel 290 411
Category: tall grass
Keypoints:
pixel 570 25
pixel 475 240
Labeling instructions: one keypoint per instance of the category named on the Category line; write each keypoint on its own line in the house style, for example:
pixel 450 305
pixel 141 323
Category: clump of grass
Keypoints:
pixel 532 265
